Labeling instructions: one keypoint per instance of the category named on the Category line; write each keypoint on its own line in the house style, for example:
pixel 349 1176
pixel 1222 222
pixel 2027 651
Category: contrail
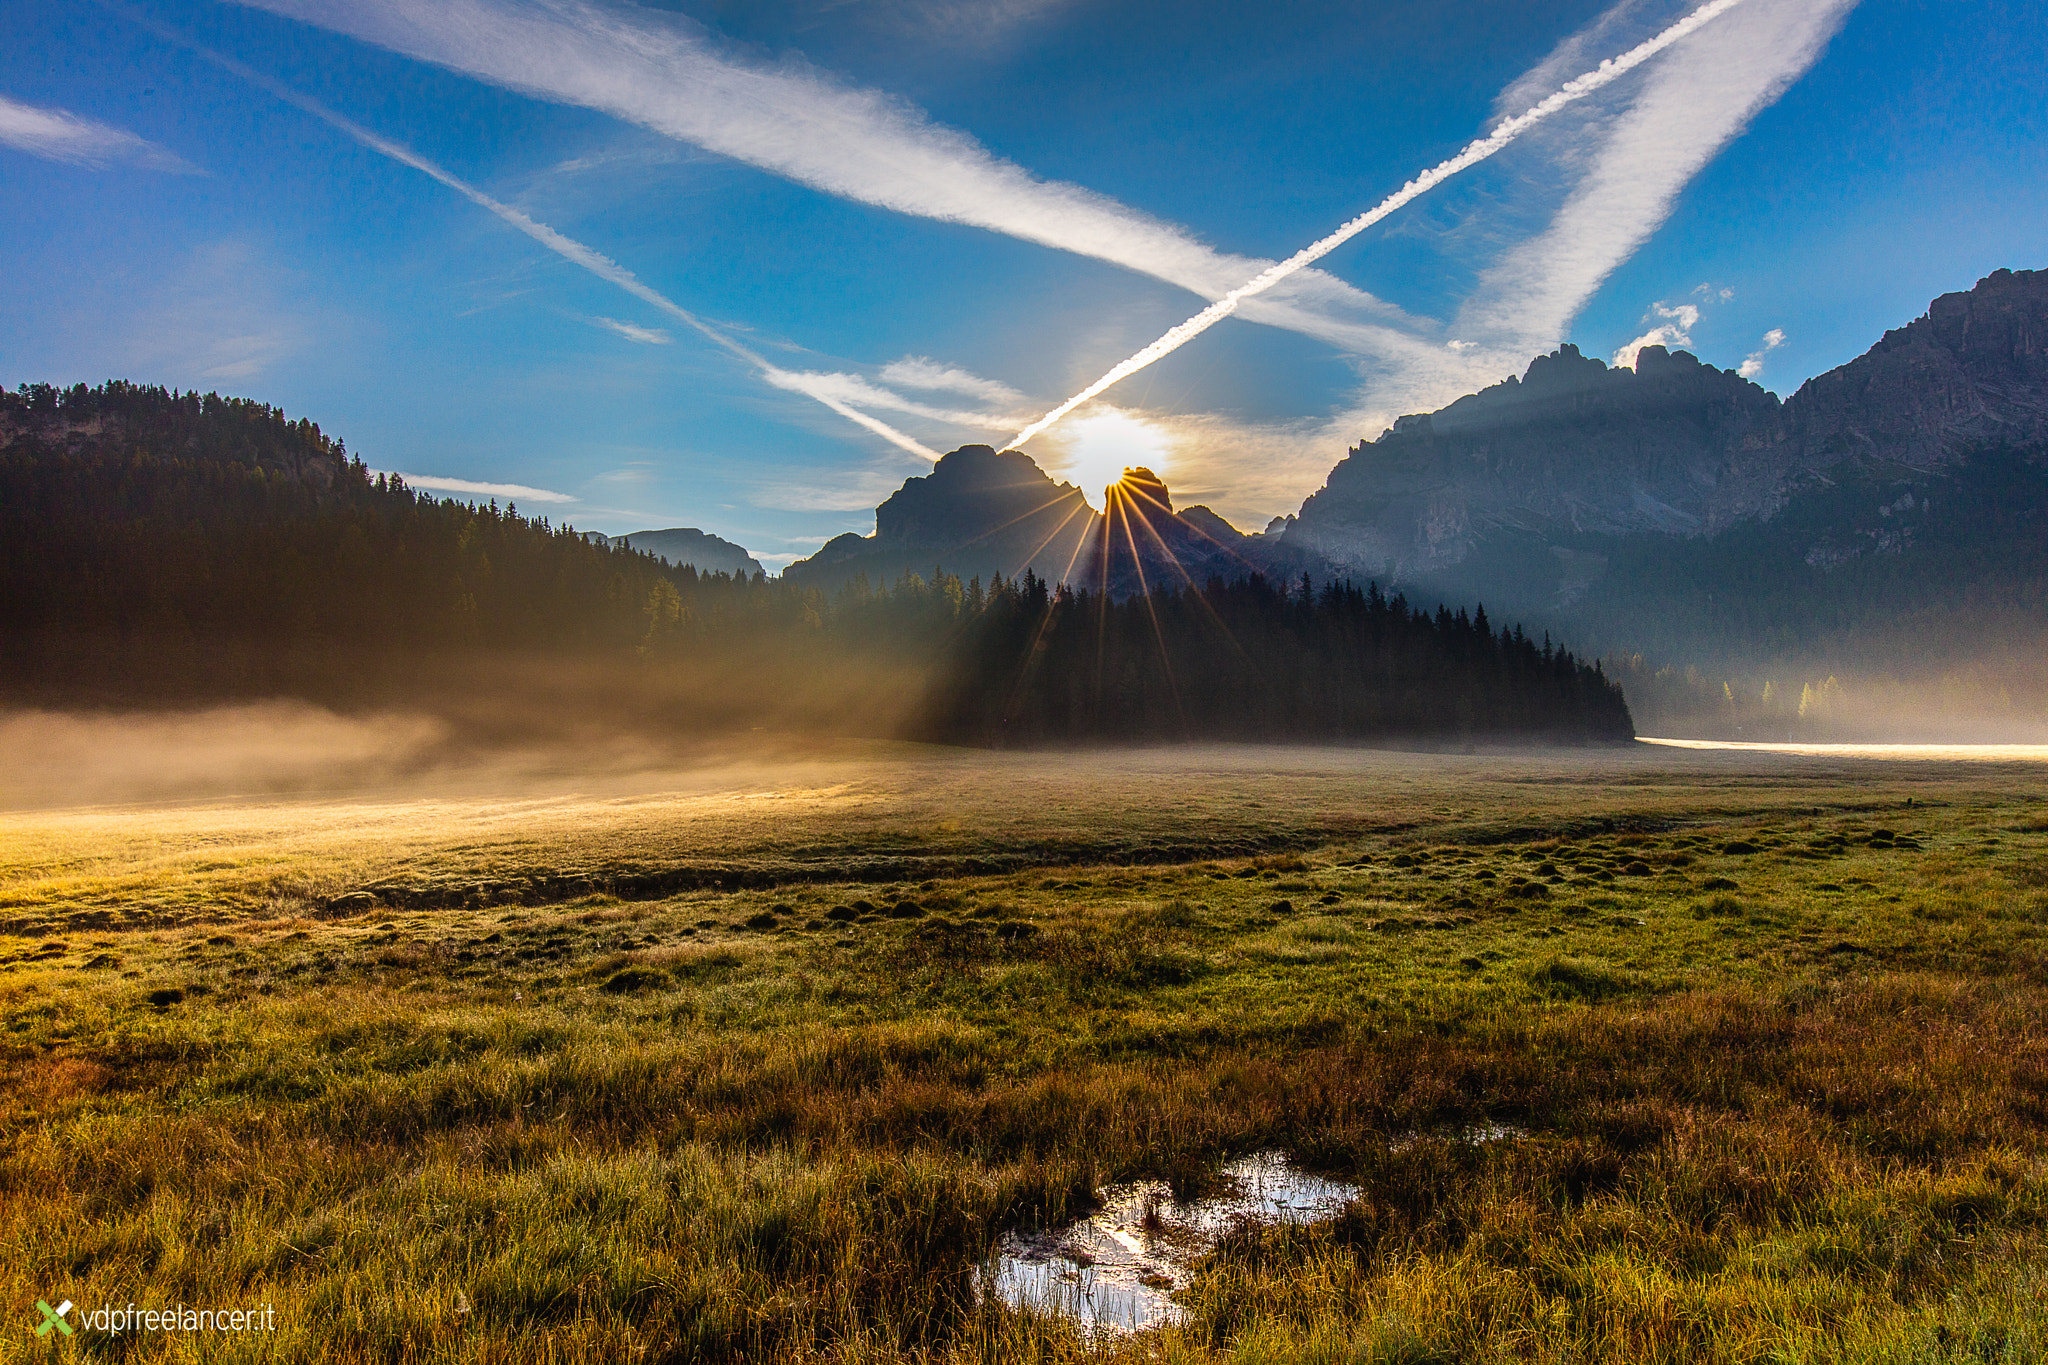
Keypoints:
pixel 1608 71
pixel 568 248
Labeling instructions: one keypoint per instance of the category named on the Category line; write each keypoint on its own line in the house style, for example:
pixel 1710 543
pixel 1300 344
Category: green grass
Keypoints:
pixel 1785 1104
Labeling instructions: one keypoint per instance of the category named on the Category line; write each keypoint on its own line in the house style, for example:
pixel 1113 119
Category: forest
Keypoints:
pixel 162 548
pixel 1254 660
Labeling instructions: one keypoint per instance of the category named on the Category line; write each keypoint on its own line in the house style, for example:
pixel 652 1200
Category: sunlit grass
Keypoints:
pixel 1770 1085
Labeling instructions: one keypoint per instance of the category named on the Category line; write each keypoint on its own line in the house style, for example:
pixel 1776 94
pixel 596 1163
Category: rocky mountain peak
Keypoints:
pixel 1148 488
pixel 1572 444
pixel 974 485
pixel 1971 370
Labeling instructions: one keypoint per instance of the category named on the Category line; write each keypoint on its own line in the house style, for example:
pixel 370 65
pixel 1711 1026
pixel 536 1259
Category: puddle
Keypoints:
pixel 1117 1269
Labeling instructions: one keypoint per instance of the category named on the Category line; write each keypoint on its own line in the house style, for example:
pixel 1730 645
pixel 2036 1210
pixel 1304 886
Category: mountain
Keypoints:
pixel 1675 447
pixel 1891 517
pixel 685 546
pixel 1681 509
pixel 1671 446
pixel 983 513
pixel 1971 372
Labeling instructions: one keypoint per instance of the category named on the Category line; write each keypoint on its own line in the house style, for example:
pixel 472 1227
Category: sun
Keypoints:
pixel 1104 443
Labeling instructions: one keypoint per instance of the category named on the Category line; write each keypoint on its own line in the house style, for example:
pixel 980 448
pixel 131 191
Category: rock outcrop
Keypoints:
pixel 686 545
pixel 979 512
pixel 983 512
pixel 1972 371
pixel 1673 446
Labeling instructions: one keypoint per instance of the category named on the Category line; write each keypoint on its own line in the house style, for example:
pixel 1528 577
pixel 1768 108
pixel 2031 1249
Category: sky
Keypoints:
pixel 746 266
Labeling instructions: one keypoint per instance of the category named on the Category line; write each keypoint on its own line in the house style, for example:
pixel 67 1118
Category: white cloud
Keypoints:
pixel 848 490
pixel 921 372
pixel 1753 363
pixel 835 386
pixel 1618 165
pixel 1609 175
pixel 1676 331
pixel 597 263
pixel 804 124
pixel 1635 161
pixel 56 135
pixel 971 25
pixel 631 331
pixel 514 491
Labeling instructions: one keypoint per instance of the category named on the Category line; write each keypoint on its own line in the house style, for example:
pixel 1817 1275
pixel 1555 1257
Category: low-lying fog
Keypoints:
pixel 263 751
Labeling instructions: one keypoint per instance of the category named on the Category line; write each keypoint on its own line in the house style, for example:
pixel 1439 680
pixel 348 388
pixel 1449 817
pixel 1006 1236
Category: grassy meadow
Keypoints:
pixel 1637 1056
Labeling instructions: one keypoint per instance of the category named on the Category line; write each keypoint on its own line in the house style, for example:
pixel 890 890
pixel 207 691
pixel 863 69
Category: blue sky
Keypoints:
pixel 916 223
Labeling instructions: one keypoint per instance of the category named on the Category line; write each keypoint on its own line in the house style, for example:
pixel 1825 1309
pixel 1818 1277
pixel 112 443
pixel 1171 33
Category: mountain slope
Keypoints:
pixel 1573 446
pixel 1680 509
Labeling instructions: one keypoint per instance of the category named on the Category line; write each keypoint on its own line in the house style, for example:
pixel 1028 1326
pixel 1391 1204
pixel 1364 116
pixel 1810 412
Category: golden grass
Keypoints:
pixel 1798 1117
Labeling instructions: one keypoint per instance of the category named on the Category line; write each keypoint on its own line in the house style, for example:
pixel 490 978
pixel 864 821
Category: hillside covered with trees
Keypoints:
pixel 159 548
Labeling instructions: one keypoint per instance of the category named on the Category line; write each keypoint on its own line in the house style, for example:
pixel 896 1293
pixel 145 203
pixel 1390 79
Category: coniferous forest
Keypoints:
pixel 163 548
pixel 1253 660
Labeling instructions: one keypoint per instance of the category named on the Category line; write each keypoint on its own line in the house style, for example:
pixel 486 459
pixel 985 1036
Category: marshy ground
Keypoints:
pixel 1636 1056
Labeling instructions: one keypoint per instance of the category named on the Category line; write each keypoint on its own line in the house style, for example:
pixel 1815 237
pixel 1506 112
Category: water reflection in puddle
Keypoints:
pixel 1117 1269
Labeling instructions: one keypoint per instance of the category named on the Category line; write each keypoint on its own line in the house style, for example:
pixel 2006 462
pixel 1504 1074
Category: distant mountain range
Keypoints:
pixel 1674 508
pixel 685 546
pixel 1549 494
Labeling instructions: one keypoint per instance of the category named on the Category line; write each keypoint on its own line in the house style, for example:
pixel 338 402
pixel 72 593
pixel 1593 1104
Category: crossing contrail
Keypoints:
pixel 1578 88
pixel 568 248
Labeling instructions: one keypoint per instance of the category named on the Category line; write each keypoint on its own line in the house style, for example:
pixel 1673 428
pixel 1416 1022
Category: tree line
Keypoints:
pixel 1254 660
pixel 160 547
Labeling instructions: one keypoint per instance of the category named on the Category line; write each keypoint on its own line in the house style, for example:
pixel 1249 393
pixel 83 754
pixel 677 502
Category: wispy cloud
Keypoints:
pixel 631 331
pixel 852 388
pixel 1753 363
pixel 973 25
pixel 922 372
pixel 1633 159
pixel 1583 198
pixel 568 248
pixel 57 135
pixel 511 491
pixel 1611 173
pixel 222 313
pixel 850 490
pixel 802 123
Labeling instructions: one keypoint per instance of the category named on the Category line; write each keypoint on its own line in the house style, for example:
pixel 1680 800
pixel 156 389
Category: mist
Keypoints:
pixel 1990 692
pixel 471 723
pixel 67 758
